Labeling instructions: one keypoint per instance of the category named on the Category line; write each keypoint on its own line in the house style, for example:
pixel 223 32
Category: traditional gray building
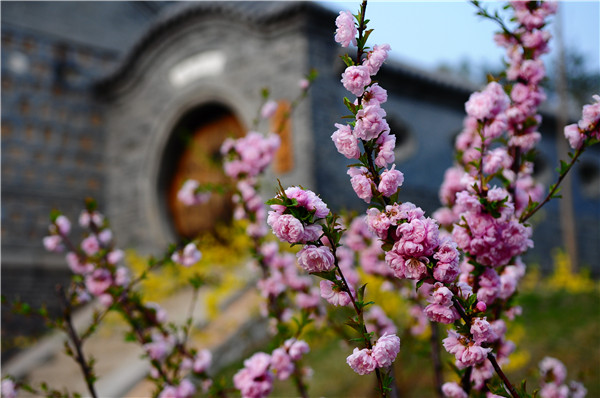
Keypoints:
pixel 96 98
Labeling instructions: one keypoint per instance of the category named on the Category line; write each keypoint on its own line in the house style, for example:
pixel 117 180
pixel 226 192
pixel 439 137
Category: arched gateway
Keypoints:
pixel 195 78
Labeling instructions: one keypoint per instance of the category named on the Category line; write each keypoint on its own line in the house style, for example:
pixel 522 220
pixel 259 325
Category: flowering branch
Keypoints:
pixel 84 364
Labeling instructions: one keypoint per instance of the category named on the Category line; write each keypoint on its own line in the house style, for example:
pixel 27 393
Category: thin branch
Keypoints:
pixel 88 373
pixel 526 216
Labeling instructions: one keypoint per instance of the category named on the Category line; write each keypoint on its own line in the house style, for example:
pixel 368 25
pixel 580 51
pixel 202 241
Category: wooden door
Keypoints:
pixel 201 160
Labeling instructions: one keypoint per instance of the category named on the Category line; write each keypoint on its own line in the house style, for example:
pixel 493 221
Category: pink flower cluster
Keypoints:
pixel 490 239
pixel 255 380
pixel 416 243
pixel 382 355
pixel 290 229
pixel 185 389
pixel 523 50
pixel 96 259
pixel 466 352
pixel 554 374
pixel 488 104
pixel 250 155
pixel 588 126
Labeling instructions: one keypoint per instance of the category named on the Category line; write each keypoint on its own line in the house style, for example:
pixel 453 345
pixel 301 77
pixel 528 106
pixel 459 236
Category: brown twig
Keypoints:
pixel 88 373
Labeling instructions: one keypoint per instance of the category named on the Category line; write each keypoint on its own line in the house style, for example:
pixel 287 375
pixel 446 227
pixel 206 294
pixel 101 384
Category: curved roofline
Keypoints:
pixel 258 13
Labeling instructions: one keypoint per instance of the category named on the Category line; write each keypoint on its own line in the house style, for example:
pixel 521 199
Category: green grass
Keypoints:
pixel 557 324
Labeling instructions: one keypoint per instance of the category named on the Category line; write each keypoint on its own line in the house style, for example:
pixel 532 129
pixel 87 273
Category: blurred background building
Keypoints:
pixel 122 101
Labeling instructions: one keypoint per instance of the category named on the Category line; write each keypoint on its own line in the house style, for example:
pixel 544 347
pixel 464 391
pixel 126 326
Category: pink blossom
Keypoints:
pixel 9 388
pixel 308 300
pixel 168 392
pixel 98 281
pixel 188 193
pixel 250 155
pixel 495 160
pixel 532 70
pixel 268 109
pixel 189 256
pixel 487 103
pixel 304 84
pixel 590 116
pixel 420 321
pixel 53 243
pixel 333 294
pixel 315 258
pixel 451 185
pixel 489 286
pixel 552 370
pixel 376 57
pixel 482 331
pixel 345 142
pixel 362 361
pixel 378 222
pixel 377 321
pixel 553 390
pixel 255 380
pixel 385 152
pixel 577 390
pixel 286 227
pixel 272 286
pixel 370 122
pixel 105 237
pixel 361 184
pixel 114 256
pixel 159 346
pixel 296 348
pixel 355 79
pixel 90 245
pixel 481 375
pixel 77 266
pixel 281 364
pixel 472 355
pixel 391 180
pixel 386 349
pixel 375 93
pixel 481 306
pixel 454 343
pixel 202 361
pixel 446 270
pixel 441 308
pixel 186 389
pixel 86 217
pixel 63 224
pixel 574 135
pixel 346 30
pixel 453 390
pixel 411 268
pixel 122 277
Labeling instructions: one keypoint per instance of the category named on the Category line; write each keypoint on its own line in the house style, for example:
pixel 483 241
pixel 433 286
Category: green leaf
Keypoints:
pixel 347 60
pixel 196 281
pixel 329 275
